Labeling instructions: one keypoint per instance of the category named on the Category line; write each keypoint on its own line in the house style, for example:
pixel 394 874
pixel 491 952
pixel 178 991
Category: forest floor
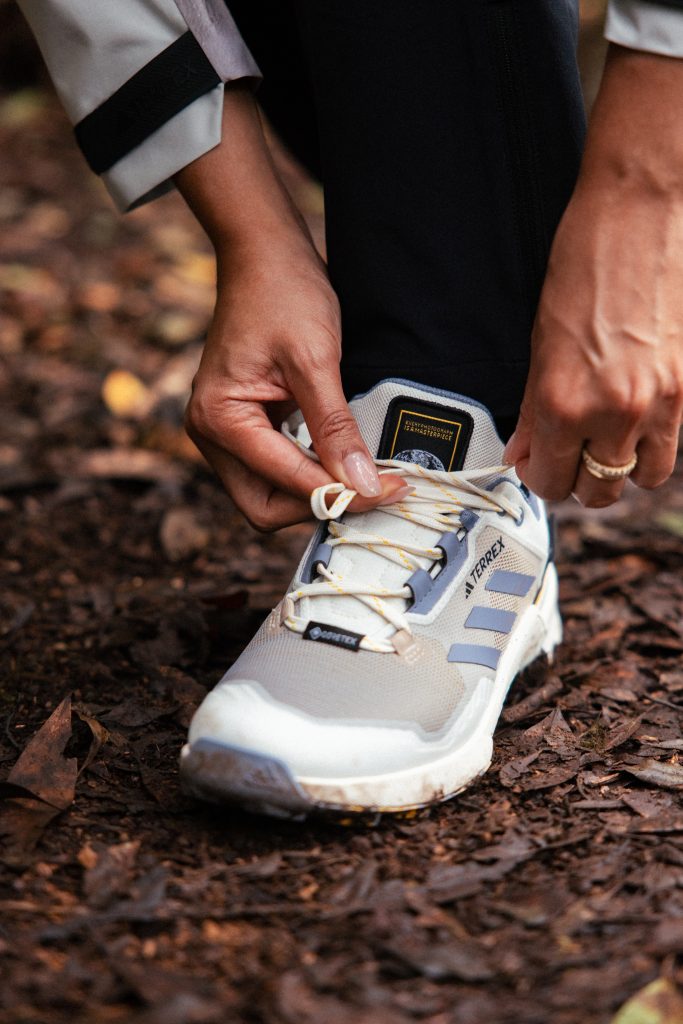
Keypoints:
pixel 551 890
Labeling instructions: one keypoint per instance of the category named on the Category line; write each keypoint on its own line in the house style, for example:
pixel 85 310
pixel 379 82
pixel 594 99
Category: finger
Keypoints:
pixel 335 434
pixel 243 430
pixel 657 452
pixel 264 506
pixel 610 451
pixel 268 508
pixel 550 468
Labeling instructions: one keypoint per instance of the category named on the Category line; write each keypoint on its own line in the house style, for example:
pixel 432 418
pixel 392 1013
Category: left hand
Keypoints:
pixel 607 347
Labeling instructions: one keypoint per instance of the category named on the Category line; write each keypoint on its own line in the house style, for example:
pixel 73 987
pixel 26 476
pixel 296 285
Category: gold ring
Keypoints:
pixel 602 472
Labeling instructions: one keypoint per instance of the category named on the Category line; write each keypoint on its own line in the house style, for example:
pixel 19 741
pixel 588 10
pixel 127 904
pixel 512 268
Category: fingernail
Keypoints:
pixel 508 448
pixel 361 474
pixel 396 496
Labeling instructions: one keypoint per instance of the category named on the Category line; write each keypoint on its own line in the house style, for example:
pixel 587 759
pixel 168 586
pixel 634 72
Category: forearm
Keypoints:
pixel 634 138
pixel 234 190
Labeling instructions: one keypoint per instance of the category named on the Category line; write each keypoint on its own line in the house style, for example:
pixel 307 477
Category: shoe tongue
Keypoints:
pixel 434 429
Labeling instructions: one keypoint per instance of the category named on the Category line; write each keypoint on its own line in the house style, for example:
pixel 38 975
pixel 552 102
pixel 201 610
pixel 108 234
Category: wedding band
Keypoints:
pixel 602 472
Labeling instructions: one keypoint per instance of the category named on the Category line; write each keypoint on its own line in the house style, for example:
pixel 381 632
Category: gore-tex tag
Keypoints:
pixel 430 435
pixel 325 634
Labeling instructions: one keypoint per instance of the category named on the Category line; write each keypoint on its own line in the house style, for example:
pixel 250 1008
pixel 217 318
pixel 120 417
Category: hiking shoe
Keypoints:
pixel 377 682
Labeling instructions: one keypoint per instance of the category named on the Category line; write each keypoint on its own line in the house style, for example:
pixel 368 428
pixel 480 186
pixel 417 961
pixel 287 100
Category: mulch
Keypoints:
pixel 551 890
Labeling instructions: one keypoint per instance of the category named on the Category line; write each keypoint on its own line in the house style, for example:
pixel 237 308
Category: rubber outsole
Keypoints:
pixel 220 773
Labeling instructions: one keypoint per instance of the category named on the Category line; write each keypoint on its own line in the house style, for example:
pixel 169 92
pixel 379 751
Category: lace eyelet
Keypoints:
pixel 520 520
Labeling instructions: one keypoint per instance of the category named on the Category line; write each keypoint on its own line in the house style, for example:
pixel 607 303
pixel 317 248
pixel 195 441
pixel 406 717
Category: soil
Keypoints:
pixel 551 890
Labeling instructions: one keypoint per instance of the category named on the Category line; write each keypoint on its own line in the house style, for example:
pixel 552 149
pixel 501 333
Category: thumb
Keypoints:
pixel 336 438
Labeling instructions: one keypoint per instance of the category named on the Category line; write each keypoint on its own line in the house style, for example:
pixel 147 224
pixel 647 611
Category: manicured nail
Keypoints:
pixel 396 496
pixel 361 474
pixel 508 448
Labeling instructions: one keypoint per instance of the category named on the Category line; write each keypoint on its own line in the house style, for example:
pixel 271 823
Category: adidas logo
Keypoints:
pixel 480 566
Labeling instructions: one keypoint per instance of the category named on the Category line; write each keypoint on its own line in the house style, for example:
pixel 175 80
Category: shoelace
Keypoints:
pixel 437 502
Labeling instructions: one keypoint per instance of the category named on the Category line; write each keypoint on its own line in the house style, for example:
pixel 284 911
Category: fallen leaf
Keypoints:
pixel 659 1002
pixel 535 700
pixel 657 773
pixel 41 784
pixel 512 771
pixel 124 394
pixel 622 732
pixel 41 769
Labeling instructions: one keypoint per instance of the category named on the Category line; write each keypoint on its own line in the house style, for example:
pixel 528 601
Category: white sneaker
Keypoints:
pixel 377 682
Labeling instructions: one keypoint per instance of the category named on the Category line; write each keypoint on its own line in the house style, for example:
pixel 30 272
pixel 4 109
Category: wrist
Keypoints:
pixel 234 189
pixel 634 141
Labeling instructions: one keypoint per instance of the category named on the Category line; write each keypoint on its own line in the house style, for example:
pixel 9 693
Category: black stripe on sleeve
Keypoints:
pixel 176 77
pixel 668 3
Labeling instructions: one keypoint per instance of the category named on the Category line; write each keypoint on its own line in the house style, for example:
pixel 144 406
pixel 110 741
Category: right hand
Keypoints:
pixel 275 345
pixel 275 341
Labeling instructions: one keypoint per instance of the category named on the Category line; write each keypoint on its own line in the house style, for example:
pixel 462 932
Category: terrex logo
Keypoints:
pixel 479 567
pixel 325 634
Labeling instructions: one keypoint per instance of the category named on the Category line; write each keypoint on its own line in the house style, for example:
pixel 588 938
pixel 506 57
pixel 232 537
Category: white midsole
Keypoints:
pixel 538 631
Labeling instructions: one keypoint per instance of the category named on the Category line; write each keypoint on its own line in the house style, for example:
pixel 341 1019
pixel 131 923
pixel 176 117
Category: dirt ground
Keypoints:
pixel 552 890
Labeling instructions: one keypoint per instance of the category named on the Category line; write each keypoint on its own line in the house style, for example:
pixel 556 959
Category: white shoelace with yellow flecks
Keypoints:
pixel 437 501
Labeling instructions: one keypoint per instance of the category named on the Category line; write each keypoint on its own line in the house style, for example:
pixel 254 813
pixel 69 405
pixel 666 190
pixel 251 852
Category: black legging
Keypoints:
pixel 448 135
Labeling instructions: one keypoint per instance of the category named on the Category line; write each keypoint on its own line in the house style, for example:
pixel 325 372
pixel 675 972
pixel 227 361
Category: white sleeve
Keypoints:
pixel 643 25
pixel 142 81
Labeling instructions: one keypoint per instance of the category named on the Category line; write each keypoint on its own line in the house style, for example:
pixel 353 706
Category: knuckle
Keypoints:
pixel 560 406
pixel 262 522
pixel 337 427
pixel 198 414
pixel 260 517
pixel 209 417
pixel 629 403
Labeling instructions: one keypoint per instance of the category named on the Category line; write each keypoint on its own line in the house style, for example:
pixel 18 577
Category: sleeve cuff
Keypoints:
pixel 147 171
pixel 643 25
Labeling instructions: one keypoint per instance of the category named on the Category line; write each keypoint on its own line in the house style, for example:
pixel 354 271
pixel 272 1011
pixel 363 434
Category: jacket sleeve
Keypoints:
pixel 652 25
pixel 142 81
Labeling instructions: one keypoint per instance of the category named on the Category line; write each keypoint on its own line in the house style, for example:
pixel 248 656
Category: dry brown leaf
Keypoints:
pixel 42 770
pixel 46 781
pixel 657 773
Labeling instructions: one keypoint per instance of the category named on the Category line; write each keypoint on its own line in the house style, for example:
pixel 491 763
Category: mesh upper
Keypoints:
pixel 329 682
pixel 332 683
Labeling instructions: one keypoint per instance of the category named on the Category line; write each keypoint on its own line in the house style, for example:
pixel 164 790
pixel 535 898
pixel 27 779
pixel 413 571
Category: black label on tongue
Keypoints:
pixel 430 435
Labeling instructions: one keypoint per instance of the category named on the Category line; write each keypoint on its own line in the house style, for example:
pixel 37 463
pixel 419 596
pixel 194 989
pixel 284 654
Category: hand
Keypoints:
pixel 274 346
pixel 607 347
pixel 275 341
